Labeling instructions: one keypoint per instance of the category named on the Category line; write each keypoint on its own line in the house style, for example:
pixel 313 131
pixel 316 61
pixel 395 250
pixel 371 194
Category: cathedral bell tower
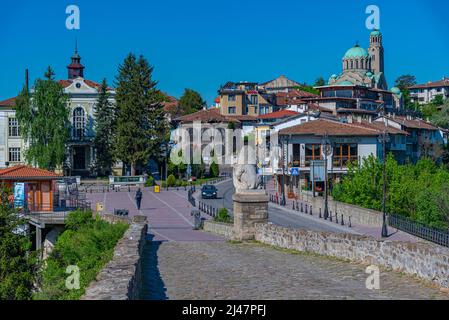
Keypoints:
pixel 75 68
pixel 376 52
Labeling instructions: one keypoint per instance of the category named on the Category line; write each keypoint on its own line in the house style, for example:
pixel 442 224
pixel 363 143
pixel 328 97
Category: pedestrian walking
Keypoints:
pixel 138 198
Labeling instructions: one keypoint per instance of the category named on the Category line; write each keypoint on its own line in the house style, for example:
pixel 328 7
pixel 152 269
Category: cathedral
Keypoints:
pixel 363 67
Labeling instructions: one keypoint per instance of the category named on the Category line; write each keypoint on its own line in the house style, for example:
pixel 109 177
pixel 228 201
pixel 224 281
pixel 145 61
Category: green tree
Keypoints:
pixel 104 132
pixel 441 118
pixel 17 263
pixel 320 82
pixel 190 102
pixel 403 83
pixel 141 125
pixel 44 122
pixel 214 170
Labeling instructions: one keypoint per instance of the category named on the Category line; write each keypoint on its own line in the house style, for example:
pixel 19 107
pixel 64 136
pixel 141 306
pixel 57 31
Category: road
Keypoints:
pixel 276 215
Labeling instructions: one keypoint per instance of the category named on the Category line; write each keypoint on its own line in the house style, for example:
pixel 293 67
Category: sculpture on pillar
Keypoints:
pixel 245 178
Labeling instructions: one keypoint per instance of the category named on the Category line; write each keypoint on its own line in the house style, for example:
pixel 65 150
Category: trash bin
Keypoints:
pixel 196 219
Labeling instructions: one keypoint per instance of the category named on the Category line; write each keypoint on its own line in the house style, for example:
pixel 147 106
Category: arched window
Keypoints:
pixel 357 64
pixel 352 64
pixel 79 122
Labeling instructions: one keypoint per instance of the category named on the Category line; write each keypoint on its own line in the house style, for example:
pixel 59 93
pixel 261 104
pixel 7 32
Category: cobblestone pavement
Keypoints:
pixel 223 270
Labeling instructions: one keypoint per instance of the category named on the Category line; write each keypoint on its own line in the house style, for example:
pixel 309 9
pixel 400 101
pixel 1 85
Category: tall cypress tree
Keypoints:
pixel 44 122
pixel 141 125
pixel 104 131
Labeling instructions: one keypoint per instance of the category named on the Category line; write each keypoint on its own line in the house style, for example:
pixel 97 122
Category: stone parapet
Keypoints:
pixel 121 278
pixel 220 228
pixel 427 261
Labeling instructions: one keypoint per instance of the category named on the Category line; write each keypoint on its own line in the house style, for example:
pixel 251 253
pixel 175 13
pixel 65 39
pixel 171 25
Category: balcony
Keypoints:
pixel 343 162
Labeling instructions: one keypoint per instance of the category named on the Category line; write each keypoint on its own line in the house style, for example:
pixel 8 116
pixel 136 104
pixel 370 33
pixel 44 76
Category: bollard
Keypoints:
pixel 302 207
pixel 336 218
pixel 310 210
pixel 320 216
pixel 342 222
pixel 293 205
pixel 350 225
pixel 306 208
pixel 330 216
pixel 297 206
pixel 129 189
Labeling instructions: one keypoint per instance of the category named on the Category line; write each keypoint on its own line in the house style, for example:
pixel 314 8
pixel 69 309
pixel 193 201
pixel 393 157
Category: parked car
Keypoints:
pixel 209 192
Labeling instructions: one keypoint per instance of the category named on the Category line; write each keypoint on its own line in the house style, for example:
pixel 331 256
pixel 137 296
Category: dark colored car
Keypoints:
pixel 208 191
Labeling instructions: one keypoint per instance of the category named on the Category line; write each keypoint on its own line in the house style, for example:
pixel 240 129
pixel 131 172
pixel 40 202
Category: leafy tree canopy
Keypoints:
pixel 190 102
pixel 44 122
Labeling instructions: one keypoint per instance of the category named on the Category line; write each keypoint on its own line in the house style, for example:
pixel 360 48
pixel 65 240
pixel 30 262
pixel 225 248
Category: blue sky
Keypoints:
pixel 202 44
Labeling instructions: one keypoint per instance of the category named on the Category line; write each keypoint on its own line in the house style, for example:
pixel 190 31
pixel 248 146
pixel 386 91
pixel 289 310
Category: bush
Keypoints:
pixel 87 243
pixel 163 184
pixel 171 180
pixel 214 170
pixel 149 182
pixel 223 216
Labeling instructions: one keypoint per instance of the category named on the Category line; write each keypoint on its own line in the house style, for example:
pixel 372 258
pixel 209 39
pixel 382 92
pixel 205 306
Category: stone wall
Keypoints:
pixel 121 278
pixel 223 229
pixel 428 261
pixel 358 215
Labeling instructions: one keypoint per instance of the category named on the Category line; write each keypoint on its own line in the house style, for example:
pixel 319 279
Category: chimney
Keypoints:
pixel 27 80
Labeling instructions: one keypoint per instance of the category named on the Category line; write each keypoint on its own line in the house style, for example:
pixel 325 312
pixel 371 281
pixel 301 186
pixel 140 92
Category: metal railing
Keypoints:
pixel 419 230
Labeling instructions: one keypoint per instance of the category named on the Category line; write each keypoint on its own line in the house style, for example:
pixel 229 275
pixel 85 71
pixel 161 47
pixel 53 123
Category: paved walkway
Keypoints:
pixel 221 270
pixel 168 213
pixel 375 232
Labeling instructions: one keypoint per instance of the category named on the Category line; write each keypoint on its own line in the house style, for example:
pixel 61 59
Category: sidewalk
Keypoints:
pixel 371 231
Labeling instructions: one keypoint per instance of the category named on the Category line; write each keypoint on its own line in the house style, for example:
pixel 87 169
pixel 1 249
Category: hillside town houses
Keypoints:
pixel 351 111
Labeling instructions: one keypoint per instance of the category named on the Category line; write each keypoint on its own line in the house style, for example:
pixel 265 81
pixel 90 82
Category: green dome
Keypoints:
pixel 334 76
pixel 369 74
pixel 375 33
pixel 345 83
pixel 395 90
pixel 356 52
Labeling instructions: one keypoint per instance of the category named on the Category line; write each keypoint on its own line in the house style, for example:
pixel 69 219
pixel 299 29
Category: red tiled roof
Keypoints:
pixel 205 115
pixel 332 128
pixel 279 114
pixel 22 171
pixel 413 123
pixel 432 84
pixel 8 102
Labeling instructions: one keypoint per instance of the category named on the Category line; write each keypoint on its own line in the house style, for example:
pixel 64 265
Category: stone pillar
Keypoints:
pixel 250 207
pixel 38 238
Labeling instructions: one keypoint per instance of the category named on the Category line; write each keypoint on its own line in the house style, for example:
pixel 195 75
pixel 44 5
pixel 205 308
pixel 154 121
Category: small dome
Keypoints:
pixel 375 33
pixel 334 76
pixel 356 52
pixel 345 83
pixel 369 73
pixel 395 90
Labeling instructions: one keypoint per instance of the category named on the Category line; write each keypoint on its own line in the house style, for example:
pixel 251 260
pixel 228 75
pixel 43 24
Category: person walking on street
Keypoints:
pixel 138 198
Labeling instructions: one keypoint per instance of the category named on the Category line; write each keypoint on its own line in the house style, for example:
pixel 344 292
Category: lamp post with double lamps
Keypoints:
pixel 384 139
pixel 327 150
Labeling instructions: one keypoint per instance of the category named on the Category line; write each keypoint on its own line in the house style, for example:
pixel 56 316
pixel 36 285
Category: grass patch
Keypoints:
pixel 87 243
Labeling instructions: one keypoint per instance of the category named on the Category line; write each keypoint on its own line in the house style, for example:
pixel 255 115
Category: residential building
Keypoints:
pixel 423 139
pixel 425 93
pixel 12 145
pixel 245 98
pixel 280 84
pixel 302 144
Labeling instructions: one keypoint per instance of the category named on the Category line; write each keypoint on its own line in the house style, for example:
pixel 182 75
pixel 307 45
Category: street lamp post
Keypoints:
pixel 326 151
pixel 384 138
pixel 284 158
